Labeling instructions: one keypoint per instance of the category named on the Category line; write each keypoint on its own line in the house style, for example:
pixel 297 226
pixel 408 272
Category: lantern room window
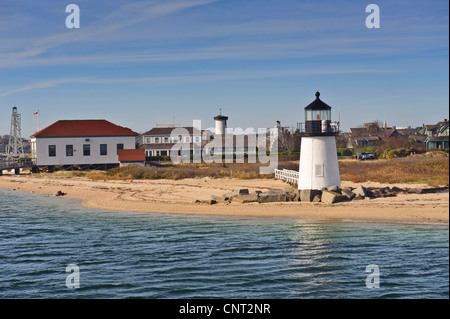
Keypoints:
pixel 318 115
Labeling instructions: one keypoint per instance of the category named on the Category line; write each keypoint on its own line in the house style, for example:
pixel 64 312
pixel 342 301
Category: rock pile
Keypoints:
pixel 335 194
pixel 327 195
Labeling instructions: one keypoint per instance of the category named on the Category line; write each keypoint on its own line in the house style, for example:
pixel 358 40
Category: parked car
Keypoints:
pixel 365 156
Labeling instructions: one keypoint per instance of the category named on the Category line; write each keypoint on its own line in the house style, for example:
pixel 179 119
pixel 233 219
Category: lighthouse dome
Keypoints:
pixel 318 104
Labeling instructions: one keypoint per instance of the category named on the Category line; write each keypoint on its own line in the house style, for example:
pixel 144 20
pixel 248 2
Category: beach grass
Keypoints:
pixel 179 171
pixel 433 171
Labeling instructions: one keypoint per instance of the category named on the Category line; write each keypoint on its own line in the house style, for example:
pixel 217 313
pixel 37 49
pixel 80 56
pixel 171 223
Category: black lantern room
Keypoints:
pixel 318 119
pixel 221 118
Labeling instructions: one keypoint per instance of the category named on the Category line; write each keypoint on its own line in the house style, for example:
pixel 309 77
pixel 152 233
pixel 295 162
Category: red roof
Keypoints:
pixel 84 128
pixel 131 155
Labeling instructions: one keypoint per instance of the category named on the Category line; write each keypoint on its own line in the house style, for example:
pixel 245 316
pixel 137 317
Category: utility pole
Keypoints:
pixel 15 146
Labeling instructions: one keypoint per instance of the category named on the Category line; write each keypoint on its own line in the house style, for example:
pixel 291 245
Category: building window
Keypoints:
pixel 166 140
pixel 119 147
pixel 103 149
pixel 86 150
pixel 52 150
pixel 186 139
pixel 156 140
pixel 197 139
pixel 148 140
pixel 69 150
pixel 319 170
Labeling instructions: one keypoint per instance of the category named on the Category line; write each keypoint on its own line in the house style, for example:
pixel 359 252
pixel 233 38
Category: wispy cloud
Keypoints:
pixel 153 32
pixel 106 28
pixel 197 78
pixel 247 50
pixel 46 84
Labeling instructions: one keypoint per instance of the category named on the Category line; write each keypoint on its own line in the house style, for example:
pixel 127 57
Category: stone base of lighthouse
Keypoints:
pixel 318 163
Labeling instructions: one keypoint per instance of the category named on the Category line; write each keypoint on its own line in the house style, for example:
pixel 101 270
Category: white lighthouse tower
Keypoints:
pixel 318 157
pixel 221 124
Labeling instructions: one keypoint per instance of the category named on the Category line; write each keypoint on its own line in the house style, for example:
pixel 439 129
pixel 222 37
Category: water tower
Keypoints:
pixel 318 157
pixel 221 123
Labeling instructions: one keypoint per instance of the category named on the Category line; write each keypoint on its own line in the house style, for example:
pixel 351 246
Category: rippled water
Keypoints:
pixel 135 255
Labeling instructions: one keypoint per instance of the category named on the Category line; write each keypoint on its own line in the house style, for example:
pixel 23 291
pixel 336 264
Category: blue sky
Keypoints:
pixel 138 63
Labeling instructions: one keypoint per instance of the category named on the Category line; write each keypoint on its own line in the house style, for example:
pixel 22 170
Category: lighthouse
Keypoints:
pixel 221 124
pixel 318 157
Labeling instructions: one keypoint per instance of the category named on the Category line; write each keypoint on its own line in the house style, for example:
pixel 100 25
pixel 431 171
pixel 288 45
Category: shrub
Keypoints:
pixel 79 173
pixel 165 158
pixel 344 152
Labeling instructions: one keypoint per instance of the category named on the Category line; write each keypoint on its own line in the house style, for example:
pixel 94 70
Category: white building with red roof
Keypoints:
pixel 132 157
pixel 81 142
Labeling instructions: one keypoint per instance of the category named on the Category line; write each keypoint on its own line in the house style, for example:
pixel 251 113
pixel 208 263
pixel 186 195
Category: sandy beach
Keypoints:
pixel 179 196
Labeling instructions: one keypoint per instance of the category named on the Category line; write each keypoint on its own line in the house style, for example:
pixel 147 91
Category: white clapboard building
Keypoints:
pixel 81 142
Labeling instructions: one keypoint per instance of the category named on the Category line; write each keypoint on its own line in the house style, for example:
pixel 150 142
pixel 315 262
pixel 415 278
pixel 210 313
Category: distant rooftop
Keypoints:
pixel 165 131
pixel 167 125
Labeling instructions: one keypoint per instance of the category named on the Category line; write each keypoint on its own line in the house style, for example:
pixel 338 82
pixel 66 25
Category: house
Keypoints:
pixel 436 142
pixel 386 133
pixel 443 128
pixel 409 131
pixel 369 135
pixel 437 136
pixel 166 140
pixel 361 141
pixel 186 141
pixel 81 142
pixel 417 141
pixel 132 157
pixel 159 141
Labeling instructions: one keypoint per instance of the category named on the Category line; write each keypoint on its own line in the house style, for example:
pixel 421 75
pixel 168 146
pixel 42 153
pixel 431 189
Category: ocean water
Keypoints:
pixel 136 255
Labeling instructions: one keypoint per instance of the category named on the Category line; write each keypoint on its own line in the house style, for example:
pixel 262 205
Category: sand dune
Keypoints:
pixel 169 196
